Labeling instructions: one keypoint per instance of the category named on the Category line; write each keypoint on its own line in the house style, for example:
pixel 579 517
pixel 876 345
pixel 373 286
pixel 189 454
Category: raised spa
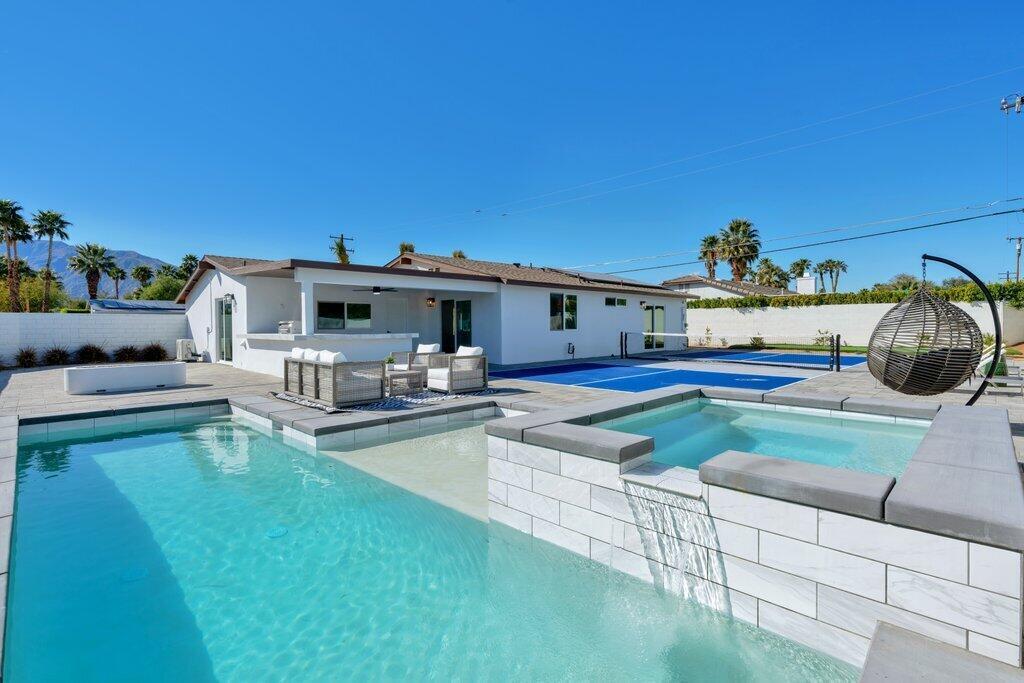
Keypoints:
pixel 688 433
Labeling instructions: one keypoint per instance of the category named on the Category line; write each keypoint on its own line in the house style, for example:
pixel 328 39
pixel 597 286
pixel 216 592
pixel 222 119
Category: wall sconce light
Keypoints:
pixel 431 302
pixel 643 304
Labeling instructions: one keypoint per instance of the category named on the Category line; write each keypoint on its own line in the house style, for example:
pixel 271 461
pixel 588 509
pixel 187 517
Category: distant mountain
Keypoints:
pixel 74 284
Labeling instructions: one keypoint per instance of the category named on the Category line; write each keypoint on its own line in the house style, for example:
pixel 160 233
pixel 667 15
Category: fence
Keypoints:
pixel 109 331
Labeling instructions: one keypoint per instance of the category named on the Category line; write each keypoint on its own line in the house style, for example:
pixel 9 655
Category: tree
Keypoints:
pixel 142 274
pixel 163 288
pixel 406 248
pixel 13 230
pixel 458 253
pixel 835 267
pixel 709 253
pixel 799 267
pixel 189 263
pixel 91 260
pixel 31 293
pixel 49 225
pixel 340 252
pixel 740 246
pixel 821 270
pixel 901 281
pixel 22 270
pixel 955 281
pixel 167 270
pixel 768 274
pixel 117 276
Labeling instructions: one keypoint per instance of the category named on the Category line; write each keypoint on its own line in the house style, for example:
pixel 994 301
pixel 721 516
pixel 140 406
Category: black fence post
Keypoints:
pixel 839 353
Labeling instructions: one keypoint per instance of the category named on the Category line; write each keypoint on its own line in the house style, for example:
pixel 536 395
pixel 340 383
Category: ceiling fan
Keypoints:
pixel 376 290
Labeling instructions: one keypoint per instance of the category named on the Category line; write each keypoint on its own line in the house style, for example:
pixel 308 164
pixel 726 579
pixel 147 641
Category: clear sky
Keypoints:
pixel 258 129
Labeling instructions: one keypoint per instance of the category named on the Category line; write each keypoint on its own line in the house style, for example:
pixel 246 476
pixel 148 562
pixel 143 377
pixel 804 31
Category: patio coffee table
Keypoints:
pixel 401 382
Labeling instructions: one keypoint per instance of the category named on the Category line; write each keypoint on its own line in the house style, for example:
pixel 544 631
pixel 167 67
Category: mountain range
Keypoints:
pixel 34 254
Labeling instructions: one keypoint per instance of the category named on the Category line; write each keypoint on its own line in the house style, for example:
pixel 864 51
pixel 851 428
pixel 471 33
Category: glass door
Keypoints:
pixel 456 324
pixel 654 321
pixel 224 315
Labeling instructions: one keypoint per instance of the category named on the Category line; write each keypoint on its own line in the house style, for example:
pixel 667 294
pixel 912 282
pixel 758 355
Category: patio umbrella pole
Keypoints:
pixel 995 318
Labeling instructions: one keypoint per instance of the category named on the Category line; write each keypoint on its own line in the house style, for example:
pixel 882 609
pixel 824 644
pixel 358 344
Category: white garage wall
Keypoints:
pixel 109 331
pixel 854 322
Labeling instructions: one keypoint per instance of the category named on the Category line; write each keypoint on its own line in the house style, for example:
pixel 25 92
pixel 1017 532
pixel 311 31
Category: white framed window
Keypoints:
pixel 563 311
pixel 613 301
pixel 339 315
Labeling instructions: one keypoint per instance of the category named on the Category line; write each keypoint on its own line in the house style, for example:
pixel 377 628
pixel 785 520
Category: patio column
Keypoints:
pixel 308 301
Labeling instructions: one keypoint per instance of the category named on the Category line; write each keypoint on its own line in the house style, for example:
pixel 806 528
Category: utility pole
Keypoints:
pixel 339 247
pixel 1005 275
pixel 1018 241
pixel 1014 102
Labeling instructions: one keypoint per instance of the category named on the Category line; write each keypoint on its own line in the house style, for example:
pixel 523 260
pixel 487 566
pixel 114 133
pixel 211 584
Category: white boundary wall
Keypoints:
pixel 43 330
pixel 854 322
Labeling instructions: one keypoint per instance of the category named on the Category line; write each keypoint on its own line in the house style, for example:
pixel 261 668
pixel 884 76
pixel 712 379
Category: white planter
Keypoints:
pixel 98 379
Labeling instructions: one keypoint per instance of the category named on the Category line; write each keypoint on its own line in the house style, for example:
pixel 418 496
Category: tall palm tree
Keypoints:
pixel 768 274
pixel 406 248
pixel 91 260
pixel 458 253
pixel 49 225
pixel 836 267
pixel 799 267
pixel 142 274
pixel 821 269
pixel 189 263
pixel 709 253
pixel 740 246
pixel 13 230
pixel 117 276
pixel 340 250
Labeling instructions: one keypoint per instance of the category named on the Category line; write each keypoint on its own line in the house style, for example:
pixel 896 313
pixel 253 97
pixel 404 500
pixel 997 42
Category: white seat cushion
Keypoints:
pixel 310 354
pixel 437 373
pixel 297 352
pixel 428 348
pixel 331 357
pixel 470 351
pixel 442 373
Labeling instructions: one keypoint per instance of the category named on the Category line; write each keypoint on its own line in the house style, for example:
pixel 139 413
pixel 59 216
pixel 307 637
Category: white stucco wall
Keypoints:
pixel 854 322
pixel 199 313
pixel 109 331
pixel 705 291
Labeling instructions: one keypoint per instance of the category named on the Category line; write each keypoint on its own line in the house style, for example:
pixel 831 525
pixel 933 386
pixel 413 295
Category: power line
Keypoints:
pixel 671 162
pixel 838 240
pixel 975 207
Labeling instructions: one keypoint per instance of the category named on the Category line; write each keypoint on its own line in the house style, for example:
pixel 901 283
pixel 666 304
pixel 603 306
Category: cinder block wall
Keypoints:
pixel 108 330
pixel 817 577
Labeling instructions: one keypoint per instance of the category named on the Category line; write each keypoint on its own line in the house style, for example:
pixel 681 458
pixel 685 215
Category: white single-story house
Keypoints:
pixel 702 287
pixel 251 312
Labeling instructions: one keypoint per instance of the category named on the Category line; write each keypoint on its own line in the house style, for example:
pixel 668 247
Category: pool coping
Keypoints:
pixel 963 481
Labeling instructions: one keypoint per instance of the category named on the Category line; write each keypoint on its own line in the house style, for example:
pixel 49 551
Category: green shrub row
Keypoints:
pixel 1010 292
pixel 28 357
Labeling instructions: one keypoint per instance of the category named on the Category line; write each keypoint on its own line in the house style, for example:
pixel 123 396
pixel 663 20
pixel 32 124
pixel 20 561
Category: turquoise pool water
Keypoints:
pixel 689 433
pixel 215 552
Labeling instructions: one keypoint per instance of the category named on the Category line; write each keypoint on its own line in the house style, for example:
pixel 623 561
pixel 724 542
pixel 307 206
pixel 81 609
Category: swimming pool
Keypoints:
pixel 635 378
pixel 218 552
pixel 689 433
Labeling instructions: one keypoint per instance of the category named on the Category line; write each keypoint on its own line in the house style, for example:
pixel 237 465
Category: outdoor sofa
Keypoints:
pixel 329 378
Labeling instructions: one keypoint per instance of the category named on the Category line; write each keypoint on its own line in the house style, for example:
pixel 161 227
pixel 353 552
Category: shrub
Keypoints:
pixel 126 354
pixel 152 353
pixel 26 357
pixel 56 355
pixel 90 353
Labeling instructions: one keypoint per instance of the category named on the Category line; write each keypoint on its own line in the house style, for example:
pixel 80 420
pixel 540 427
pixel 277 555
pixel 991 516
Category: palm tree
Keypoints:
pixel 835 267
pixel 117 276
pixel 91 260
pixel 406 248
pixel 820 269
pixel 709 253
pixel 13 229
pixel 49 225
pixel 458 253
pixel 340 251
pixel 770 275
pixel 189 263
pixel 799 267
pixel 22 268
pixel 142 274
pixel 740 246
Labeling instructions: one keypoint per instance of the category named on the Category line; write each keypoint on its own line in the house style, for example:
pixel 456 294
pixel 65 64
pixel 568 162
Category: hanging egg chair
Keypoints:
pixel 924 346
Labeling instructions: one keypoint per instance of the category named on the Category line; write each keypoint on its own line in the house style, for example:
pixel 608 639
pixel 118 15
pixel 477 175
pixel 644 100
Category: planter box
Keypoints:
pixel 98 379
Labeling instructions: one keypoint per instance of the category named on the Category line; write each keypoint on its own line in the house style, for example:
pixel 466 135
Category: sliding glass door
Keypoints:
pixel 224 309
pixel 456 324
pixel 654 321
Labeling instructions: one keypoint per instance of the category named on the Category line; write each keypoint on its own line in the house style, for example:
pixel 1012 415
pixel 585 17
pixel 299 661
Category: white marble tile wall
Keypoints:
pixel 817 577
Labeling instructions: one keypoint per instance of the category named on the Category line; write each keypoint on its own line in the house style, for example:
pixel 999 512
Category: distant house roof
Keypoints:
pixel 741 288
pixel 132 306
pixel 517 273
pixel 437 266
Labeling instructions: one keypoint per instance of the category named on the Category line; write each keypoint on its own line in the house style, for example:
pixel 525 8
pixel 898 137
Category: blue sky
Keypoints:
pixel 258 129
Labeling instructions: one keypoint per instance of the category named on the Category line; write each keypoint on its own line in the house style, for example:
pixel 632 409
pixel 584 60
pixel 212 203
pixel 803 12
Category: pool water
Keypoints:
pixel 218 552
pixel 689 433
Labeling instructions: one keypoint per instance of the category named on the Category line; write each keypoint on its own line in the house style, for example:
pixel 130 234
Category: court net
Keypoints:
pixel 815 352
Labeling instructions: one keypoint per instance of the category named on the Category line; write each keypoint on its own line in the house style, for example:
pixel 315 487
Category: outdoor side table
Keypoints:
pixel 401 382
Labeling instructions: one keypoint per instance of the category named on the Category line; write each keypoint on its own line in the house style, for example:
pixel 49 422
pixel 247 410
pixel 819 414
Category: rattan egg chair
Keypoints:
pixel 924 346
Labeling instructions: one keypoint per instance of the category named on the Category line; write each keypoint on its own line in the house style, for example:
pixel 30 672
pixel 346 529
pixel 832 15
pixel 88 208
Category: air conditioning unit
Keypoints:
pixel 185 350
pixel 288 327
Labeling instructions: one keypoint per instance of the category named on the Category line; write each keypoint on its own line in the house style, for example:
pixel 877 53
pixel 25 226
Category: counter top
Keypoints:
pixel 274 336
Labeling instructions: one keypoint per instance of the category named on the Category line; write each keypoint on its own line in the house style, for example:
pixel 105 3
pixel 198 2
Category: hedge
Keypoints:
pixel 1010 292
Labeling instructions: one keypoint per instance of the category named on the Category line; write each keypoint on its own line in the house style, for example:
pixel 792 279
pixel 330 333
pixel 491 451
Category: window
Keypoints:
pixel 562 311
pixel 612 301
pixel 337 315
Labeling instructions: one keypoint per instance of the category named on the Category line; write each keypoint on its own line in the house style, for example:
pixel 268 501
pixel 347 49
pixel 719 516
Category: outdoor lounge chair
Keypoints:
pixel 418 359
pixel 1012 379
pixel 328 378
pixel 464 370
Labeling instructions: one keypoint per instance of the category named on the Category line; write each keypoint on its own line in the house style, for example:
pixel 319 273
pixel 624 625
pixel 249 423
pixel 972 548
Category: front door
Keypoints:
pixel 654 321
pixel 456 324
pixel 224 315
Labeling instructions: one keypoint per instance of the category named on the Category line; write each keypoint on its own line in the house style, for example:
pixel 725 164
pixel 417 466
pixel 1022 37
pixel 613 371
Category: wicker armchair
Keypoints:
pixel 414 360
pixel 334 384
pixel 452 373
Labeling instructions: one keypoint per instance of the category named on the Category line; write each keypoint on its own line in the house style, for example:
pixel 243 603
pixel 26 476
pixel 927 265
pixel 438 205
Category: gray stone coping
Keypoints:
pixel 897 654
pixel 65 416
pixel 8 449
pixel 512 427
pixel 806 400
pixel 881 406
pixel 733 394
pixel 593 442
pixel 830 488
